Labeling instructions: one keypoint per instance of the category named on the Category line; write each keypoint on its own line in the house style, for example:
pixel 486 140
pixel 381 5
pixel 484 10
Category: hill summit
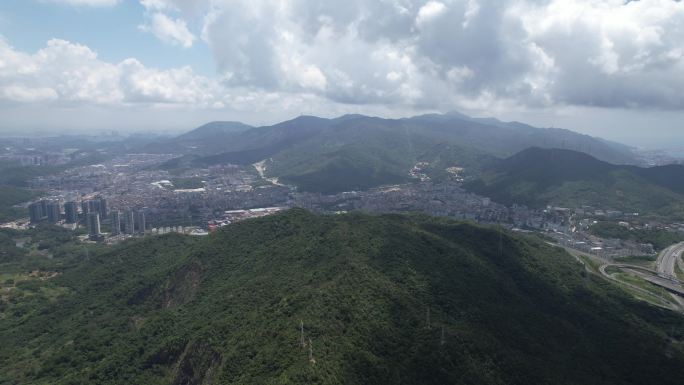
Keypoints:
pixel 539 177
pixel 356 152
pixel 296 298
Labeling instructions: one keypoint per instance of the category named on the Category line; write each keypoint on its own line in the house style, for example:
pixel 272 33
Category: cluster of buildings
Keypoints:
pixel 230 193
pixel 136 180
pixel 231 216
pixel 35 158
pixel 93 213
pixel 602 247
pixel 439 199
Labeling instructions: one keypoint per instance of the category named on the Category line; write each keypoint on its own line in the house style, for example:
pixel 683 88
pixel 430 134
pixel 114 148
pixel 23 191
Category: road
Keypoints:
pixel 665 264
pixel 647 275
pixel 659 277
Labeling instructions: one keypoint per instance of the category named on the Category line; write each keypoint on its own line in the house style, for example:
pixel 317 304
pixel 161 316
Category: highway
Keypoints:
pixel 665 264
pixel 647 275
pixel 667 303
pixel 663 275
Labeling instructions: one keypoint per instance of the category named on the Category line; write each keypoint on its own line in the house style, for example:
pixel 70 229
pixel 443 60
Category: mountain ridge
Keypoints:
pixel 215 128
pixel 310 152
pixel 539 177
pixel 381 299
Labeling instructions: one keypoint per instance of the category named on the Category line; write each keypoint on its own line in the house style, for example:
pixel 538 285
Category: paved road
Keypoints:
pixel 667 303
pixel 665 264
pixel 667 284
pixel 675 287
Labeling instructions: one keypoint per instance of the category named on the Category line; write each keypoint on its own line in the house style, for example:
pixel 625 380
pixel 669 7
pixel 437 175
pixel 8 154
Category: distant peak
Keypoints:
pixel 456 114
pixel 214 128
pixel 350 116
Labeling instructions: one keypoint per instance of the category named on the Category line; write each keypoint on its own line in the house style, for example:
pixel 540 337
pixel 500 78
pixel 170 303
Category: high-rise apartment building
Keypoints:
pixel 71 212
pixel 94 227
pixel 116 222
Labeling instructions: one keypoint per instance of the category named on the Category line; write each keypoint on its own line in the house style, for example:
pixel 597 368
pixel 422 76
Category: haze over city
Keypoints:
pixel 608 68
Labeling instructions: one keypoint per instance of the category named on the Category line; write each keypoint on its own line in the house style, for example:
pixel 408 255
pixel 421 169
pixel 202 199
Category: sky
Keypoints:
pixel 610 68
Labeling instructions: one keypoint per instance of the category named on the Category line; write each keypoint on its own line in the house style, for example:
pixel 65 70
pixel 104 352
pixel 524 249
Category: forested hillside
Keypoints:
pixel 538 177
pixel 382 299
pixel 357 152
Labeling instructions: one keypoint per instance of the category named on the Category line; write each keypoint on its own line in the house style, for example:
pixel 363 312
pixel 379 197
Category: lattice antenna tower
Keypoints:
pixel 312 360
pixel 301 334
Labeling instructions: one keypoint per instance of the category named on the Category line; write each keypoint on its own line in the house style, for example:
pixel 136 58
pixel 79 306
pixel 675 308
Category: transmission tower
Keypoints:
pixel 312 360
pixel 301 335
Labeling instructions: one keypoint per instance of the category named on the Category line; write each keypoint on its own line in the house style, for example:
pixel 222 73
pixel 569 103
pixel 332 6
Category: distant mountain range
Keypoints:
pixel 296 298
pixel 538 177
pixel 357 152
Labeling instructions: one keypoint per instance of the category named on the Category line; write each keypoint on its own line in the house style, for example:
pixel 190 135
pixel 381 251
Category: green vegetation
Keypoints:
pixel 187 183
pixel 590 263
pixel 356 152
pixel 538 177
pixel 11 196
pixel 46 236
pixel 13 174
pixel 503 309
pixel 678 272
pixel 641 260
pixel 655 291
pixel 8 250
pixel 13 182
pixel 660 239
pixel 362 154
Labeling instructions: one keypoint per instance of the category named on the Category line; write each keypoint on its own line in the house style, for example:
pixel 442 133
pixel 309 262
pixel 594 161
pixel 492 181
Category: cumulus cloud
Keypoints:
pixel 168 30
pixel 63 76
pixel 429 11
pixel 425 54
pixel 611 54
pixel 22 93
pixel 72 73
pixel 537 53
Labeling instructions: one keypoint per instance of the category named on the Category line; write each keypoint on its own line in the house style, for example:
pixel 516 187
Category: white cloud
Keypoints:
pixel 170 31
pixel 72 73
pixel 91 3
pixel 611 53
pixel 535 53
pixel 21 93
pixel 399 54
pixel 429 11
pixel 188 7
pixel 155 5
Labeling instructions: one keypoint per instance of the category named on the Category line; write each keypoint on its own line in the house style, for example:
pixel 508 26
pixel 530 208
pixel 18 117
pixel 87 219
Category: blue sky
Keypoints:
pixel 604 67
pixel 110 31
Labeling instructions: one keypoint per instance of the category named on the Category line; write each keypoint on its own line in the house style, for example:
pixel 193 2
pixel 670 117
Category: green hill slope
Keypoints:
pixel 537 177
pixel 13 187
pixel 214 130
pixel 356 151
pixel 227 310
